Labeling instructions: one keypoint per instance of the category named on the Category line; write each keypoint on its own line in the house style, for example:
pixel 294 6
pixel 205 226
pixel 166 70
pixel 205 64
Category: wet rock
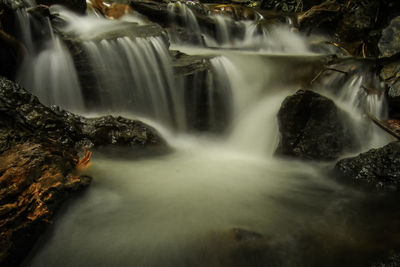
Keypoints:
pixel 283 5
pixel 359 18
pixel 158 12
pixel 78 6
pixel 389 44
pixel 109 130
pixel 28 118
pixel 23 113
pixel 11 49
pixel 35 178
pixel 392 261
pixel 313 128
pixel 390 74
pixel 236 12
pixel 377 169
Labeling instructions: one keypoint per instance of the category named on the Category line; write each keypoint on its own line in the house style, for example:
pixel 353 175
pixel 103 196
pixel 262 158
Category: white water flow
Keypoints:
pixel 184 208
pixel 180 11
pixel 131 75
pixel 141 80
pixel 48 69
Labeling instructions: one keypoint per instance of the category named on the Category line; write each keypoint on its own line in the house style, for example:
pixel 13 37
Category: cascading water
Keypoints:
pixel 180 11
pixel 142 78
pixel 48 69
pixel 186 208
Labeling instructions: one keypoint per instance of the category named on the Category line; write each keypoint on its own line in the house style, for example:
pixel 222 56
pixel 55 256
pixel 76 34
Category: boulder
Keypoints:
pixel 35 178
pixel 389 43
pixel 390 74
pixel 377 169
pixel 109 130
pixel 22 111
pixel 392 261
pixel 313 128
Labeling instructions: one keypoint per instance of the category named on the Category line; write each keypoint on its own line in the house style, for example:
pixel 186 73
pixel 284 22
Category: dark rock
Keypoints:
pixel 390 74
pixel 393 261
pixel 313 128
pixel 28 118
pixel 322 18
pixel 283 5
pixel 35 179
pixel 358 20
pixel 78 6
pixel 377 169
pixel 389 44
pixel 11 49
pixel 158 12
pixel 109 130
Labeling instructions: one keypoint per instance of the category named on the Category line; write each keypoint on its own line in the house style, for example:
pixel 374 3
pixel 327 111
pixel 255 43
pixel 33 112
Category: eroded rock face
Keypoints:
pixel 35 179
pixel 377 169
pixel 313 128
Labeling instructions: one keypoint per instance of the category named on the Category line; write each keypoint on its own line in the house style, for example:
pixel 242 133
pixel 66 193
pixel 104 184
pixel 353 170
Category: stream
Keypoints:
pixel 219 197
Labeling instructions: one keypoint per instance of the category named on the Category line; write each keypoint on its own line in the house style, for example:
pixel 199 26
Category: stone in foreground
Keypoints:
pixel 313 128
pixel 377 169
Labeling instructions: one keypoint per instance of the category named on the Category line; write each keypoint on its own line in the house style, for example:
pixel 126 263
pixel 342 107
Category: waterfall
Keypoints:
pixel 180 13
pixel 136 75
pixel 48 69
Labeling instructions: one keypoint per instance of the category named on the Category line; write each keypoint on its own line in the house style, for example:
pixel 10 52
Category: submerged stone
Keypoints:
pixel 377 169
pixel 313 128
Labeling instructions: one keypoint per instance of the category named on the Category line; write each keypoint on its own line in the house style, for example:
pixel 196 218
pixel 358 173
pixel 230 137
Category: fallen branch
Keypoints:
pixel 326 69
pixel 384 127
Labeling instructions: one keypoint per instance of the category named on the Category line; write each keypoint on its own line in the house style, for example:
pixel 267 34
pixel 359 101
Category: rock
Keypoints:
pixel 377 169
pixel 78 6
pixel 34 180
pixel 283 5
pixel 358 20
pixel 390 74
pixel 22 111
pixel 313 128
pixel 389 44
pixel 392 261
pixel 158 12
pixel 109 130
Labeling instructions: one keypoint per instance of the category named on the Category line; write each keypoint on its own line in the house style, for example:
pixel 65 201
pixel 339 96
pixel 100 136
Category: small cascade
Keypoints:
pixel 356 93
pixel 180 13
pixel 128 73
pixel 141 80
pixel 48 69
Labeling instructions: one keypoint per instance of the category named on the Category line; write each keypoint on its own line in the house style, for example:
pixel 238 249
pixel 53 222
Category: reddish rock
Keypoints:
pixel 34 180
